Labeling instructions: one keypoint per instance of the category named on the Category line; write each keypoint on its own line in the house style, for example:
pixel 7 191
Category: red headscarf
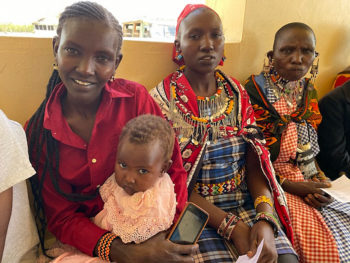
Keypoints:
pixel 185 12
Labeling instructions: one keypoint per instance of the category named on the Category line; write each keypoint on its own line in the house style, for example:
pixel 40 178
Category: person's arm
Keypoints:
pixel 67 220
pixel 6 209
pixel 331 135
pixel 258 186
pixel 241 232
pixel 310 191
pixel 155 249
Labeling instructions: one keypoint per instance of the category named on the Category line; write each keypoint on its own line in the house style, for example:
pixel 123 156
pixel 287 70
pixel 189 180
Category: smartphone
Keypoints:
pixel 190 225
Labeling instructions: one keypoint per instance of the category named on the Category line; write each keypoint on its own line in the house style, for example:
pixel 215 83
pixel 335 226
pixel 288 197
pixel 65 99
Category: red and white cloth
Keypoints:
pixel 313 240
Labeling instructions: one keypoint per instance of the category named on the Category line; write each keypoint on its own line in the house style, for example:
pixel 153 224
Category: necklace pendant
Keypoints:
pixel 195 142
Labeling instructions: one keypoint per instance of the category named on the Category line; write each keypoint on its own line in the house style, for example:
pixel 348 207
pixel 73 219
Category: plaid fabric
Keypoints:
pixel 289 136
pixel 313 240
pixel 306 133
pixel 269 120
pixel 337 217
pixel 221 162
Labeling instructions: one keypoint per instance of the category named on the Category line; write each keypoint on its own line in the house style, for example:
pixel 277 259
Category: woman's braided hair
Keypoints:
pixel 39 137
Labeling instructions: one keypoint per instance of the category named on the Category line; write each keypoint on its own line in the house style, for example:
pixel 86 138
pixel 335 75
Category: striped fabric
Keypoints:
pixel 222 161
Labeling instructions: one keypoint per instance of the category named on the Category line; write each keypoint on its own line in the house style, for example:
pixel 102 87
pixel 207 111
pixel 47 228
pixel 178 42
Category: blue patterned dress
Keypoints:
pixel 223 166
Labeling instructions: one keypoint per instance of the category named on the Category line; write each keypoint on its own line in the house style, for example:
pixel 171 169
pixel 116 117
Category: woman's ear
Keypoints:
pixel 269 54
pixel 118 60
pixel 55 45
pixel 177 46
pixel 166 166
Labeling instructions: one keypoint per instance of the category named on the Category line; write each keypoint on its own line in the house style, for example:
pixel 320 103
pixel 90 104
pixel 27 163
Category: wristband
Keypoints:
pixel 262 199
pixel 282 180
pixel 104 246
pixel 271 219
pixel 227 225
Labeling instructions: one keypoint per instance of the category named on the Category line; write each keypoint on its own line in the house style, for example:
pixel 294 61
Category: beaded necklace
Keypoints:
pixel 214 112
pixel 291 91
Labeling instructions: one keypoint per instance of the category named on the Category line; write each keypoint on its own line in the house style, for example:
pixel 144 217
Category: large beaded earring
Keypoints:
pixel 314 67
pixel 55 66
pixel 222 60
pixel 314 71
pixel 267 66
pixel 178 58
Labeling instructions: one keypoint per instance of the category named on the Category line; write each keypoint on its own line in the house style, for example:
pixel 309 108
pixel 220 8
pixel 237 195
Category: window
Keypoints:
pixel 153 20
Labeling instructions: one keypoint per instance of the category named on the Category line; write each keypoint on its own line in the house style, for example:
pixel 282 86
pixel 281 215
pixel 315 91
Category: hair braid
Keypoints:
pixel 39 137
pixel 93 11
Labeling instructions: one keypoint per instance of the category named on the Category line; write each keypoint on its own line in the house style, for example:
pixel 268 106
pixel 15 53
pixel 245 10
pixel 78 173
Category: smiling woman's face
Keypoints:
pixel 293 53
pixel 86 54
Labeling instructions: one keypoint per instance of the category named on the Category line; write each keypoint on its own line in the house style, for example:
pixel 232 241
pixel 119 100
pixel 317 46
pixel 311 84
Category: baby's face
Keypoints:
pixel 138 166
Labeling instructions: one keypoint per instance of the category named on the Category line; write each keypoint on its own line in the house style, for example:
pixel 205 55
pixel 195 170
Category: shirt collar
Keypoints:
pixel 55 121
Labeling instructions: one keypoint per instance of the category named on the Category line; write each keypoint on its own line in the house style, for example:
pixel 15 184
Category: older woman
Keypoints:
pixel 220 147
pixel 285 105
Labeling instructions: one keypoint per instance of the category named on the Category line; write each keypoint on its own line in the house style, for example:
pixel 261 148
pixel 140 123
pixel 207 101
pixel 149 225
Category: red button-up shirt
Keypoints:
pixel 83 167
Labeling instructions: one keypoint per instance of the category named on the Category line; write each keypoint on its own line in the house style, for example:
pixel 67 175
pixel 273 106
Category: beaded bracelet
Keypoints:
pixel 271 219
pixel 227 225
pixel 321 176
pixel 262 199
pixel 282 180
pixel 104 246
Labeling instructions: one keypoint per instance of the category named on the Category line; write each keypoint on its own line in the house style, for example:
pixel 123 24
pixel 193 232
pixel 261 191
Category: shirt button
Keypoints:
pixel 93 160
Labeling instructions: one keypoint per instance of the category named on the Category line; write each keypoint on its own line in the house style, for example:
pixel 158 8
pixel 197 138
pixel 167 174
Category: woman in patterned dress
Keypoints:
pixel 286 109
pixel 227 166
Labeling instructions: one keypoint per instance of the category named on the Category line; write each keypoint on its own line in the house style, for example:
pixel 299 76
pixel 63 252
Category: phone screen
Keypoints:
pixel 190 225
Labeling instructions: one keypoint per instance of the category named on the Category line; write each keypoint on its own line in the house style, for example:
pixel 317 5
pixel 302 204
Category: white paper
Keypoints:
pixel 254 259
pixel 340 189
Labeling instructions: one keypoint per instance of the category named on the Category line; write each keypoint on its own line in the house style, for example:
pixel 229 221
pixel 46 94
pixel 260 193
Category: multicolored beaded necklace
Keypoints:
pixel 214 112
pixel 291 91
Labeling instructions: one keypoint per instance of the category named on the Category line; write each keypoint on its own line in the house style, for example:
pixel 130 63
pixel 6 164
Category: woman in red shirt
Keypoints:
pixel 73 138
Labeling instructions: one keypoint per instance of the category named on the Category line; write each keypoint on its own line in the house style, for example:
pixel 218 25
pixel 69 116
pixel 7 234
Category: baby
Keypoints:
pixel 139 198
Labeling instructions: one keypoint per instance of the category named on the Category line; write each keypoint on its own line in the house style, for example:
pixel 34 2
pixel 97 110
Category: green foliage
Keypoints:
pixel 16 28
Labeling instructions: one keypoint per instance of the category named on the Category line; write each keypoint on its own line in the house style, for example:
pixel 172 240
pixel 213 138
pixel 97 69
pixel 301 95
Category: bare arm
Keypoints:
pixel 216 215
pixel 6 207
pixel 256 181
pixel 258 186
pixel 241 232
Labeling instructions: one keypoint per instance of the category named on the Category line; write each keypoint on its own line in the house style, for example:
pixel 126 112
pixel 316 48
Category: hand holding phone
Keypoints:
pixel 190 225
